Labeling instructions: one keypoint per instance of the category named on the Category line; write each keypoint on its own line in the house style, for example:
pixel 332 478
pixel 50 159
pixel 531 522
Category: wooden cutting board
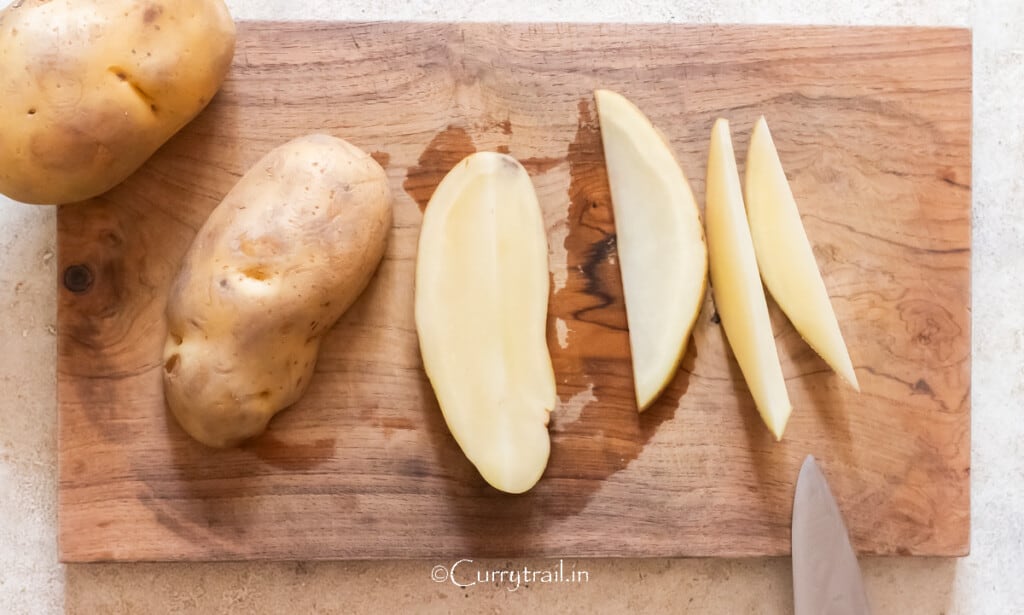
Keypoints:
pixel 873 127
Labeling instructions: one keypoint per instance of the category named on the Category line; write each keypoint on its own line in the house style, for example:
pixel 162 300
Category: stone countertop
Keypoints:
pixel 990 580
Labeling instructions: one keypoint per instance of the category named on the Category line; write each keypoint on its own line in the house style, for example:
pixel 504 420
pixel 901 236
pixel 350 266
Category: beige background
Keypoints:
pixel 991 580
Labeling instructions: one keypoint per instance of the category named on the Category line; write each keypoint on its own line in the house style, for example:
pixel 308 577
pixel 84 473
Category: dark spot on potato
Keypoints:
pixel 152 107
pixel 32 111
pixel 256 272
pixel 171 363
pixel 223 283
pixel 509 163
pixel 502 149
pixel 152 12
pixel 506 126
pixel 121 75
pixel 177 338
pixel 265 393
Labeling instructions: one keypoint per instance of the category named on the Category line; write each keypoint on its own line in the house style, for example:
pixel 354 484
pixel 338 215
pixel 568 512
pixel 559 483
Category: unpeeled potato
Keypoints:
pixel 289 249
pixel 90 89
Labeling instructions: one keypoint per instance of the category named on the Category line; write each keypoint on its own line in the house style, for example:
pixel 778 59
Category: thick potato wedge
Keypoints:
pixel 290 248
pixel 660 242
pixel 89 89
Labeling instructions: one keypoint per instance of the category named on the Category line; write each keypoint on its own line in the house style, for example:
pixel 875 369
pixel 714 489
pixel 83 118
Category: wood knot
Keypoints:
pixel 922 386
pixel 78 278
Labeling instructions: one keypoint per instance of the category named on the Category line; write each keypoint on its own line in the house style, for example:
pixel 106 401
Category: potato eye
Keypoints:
pixel 171 363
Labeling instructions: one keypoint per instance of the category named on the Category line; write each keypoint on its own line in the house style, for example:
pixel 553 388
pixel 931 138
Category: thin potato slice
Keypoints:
pixel 785 257
pixel 736 284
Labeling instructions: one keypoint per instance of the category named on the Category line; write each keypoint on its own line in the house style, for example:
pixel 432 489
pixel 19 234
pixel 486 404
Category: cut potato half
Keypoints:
pixel 481 315
pixel 659 239
pixel 736 284
pixel 785 257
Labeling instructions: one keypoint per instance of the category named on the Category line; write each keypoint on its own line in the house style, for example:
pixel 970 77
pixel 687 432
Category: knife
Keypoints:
pixel 826 577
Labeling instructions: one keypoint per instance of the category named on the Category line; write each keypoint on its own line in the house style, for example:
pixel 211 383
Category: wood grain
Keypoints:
pixel 873 126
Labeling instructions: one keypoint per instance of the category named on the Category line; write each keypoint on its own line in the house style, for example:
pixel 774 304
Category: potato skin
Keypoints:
pixel 282 257
pixel 90 89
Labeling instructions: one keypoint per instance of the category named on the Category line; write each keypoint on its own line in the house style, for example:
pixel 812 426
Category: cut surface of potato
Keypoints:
pixel 659 240
pixel 736 284
pixel 785 257
pixel 481 315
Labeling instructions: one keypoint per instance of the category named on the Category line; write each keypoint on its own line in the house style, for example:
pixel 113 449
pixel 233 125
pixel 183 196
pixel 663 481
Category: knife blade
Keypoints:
pixel 826 577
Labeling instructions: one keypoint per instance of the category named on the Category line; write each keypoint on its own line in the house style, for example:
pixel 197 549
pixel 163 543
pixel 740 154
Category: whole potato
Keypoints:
pixel 286 252
pixel 89 89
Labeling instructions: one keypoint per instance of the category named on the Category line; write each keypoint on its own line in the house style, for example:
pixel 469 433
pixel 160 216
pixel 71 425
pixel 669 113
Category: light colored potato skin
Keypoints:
pixel 90 89
pixel 286 252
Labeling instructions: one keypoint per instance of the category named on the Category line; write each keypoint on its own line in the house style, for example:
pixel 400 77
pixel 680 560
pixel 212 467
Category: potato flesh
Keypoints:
pixel 89 89
pixel 290 248
pixel 481 315
pixel 659 240
pixel 784 255
pixel 736 284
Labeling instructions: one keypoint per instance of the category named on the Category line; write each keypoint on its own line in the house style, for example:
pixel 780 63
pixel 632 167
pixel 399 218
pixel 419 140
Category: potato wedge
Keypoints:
pixel 736 284
pixel 659 240
pixel 784 255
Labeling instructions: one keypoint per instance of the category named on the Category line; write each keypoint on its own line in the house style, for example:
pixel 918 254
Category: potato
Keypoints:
pixel 736 284
pixel 89 89
pixel 785 257
pixel 659 239
pixel 482 286
pixel 282 257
